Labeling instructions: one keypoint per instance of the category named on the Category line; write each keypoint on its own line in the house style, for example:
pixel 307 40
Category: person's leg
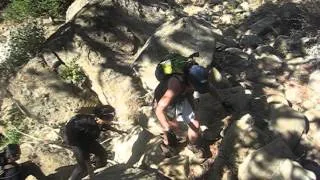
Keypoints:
pixel 100 153
pixel 12 173
pixel 189 117
pixel 29 168
pixel 82 158
pixel 193 131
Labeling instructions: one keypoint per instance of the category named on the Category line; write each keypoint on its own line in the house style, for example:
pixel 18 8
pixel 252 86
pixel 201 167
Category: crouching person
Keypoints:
pixel 81 133
pixel 11 170
pixel 176 102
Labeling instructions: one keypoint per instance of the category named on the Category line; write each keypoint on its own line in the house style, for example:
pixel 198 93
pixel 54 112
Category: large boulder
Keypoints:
pixel 273 162
pixel 287 123
pixel 54 160
pixel 130 148
pixel 241 138
pixel 185 36
pixel 44 95
pixel 99 42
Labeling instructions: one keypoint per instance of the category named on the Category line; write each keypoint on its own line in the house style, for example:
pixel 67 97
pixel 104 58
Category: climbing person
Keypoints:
pixel 177 97
pixel 81 133
pixel 11 170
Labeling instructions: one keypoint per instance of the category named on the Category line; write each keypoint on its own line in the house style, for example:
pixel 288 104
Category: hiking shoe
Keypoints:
pixel 168 151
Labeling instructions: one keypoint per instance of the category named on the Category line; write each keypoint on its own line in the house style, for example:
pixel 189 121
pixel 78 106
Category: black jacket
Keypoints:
pixel 81 129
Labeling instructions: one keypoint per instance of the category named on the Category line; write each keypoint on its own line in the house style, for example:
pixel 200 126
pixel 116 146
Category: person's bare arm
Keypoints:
pixel 174 87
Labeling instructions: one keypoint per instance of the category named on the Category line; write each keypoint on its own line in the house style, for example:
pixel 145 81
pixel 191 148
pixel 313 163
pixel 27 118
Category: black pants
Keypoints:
pixel 23 170
pixel 82 155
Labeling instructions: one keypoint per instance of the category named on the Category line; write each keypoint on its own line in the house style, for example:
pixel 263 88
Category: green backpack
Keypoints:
pixel 172 64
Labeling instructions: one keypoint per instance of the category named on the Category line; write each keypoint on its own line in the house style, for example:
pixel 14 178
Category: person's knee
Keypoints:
pixel 193 134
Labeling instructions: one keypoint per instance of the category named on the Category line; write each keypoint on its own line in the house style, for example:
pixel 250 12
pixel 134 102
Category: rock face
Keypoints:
pixel 258 57
pixel 241 138
pixel 287 123
pixel 131 147
pixel 185 36
pixel 45 96
pixel 102 46
pixel 273 162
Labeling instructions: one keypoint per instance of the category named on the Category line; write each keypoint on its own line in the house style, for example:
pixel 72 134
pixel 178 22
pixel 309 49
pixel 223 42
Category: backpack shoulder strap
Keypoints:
pixel 163 86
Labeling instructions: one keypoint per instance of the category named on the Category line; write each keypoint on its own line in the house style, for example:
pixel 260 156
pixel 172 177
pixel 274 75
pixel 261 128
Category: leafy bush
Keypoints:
pixel 25 43
pixel 22 9
pixel 14 118
pixel 12 136
pixel 72 73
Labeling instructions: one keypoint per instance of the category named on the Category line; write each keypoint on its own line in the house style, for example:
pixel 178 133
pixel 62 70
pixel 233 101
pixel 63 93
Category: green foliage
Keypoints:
pixel 25 43
pixel 12 136
pixel 19 10
pixel 15 118
pixel 72 73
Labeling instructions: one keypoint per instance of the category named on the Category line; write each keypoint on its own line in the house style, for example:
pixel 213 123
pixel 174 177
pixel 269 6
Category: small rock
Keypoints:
pixel 266 50
pixel 226 18
pixel 269 62
pixel 245 6
pixel 296 61
pixel 277 99
pixel 250 41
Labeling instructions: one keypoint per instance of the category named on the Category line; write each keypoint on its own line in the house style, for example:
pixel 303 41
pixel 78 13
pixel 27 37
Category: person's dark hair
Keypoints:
pixel 12 150
pixel 104 112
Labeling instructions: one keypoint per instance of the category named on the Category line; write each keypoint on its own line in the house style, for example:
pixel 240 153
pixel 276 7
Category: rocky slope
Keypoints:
pixel 266 52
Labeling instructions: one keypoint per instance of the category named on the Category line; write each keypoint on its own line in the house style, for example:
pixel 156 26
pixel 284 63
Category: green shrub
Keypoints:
pixel 72 73
pixel 13 136
pixel 19 10
pixel 25 43
pixel 15 118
